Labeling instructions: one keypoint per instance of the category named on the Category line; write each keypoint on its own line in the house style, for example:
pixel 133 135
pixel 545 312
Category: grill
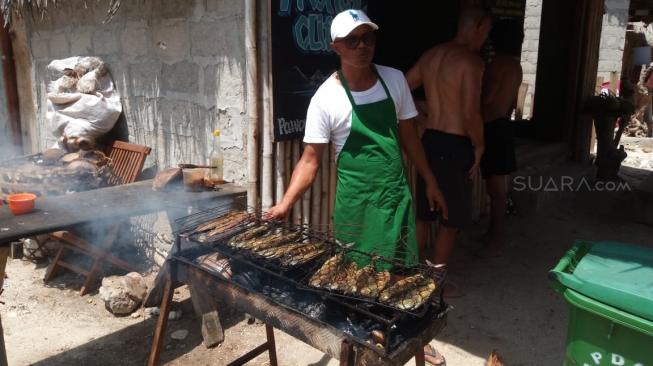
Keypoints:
pixel 288 285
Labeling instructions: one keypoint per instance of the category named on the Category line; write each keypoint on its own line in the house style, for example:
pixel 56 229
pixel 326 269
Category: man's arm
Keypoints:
pixel 302 178
pixel 471 97
pixel 414 76
pixel 413 149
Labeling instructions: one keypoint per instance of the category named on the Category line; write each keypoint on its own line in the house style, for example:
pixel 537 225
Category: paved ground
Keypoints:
pixel 509 305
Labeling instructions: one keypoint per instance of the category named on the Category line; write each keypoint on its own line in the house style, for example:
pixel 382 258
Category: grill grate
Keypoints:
pixel 192 244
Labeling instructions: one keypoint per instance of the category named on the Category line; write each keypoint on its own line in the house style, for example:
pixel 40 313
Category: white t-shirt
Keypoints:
pixel 329 113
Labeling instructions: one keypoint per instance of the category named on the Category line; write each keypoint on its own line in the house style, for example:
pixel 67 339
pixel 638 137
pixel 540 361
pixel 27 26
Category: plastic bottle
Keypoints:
pixel 216 159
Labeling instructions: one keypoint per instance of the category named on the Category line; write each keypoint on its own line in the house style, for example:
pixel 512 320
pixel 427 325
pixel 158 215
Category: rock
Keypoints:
pixel 175 314
pixel 32 249
pixel 179 335
pixel 153 311
pixel 136 314
pixel 123 294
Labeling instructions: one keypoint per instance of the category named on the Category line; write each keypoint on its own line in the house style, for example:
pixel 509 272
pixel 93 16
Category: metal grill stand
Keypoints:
pixel 329 340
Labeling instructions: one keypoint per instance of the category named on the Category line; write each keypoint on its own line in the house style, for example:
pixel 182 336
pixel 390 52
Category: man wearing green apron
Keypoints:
pixel 365 111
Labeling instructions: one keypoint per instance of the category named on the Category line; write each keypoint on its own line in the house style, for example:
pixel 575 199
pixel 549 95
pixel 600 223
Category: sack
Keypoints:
pixel 83 103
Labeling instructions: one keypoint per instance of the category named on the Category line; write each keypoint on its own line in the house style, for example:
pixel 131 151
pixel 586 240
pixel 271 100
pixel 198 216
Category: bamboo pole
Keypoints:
pixel 332 184
pixel 252 87
pixel 280 170
pixel 306 207
pixel 316 198
pixel 297 208
pixel 287 164
pixel 267 182
pixel 324 198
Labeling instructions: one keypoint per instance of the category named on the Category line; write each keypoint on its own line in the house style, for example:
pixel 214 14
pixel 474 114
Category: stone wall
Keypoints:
pixel 529 50
pixel 613 37
pixel 179 66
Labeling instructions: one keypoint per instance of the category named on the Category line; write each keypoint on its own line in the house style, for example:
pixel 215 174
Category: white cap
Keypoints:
pixel 346 21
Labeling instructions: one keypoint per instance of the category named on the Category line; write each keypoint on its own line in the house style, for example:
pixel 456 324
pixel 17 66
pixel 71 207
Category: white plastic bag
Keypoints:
pixel 83 103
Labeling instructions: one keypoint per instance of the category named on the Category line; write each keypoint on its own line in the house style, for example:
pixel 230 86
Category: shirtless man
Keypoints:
pixel 501 81
pixel 451 74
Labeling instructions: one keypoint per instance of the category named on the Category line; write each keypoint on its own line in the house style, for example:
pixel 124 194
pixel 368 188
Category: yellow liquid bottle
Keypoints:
pixel 216 159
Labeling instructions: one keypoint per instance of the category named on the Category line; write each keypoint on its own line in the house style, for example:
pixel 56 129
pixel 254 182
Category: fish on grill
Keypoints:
pixel 375 284
pixel 248 235
pixel 304 254
pixel 218 221
pixel 278 252
pixel 271 241
pixel 360 279
pixel 415 297
pixel 402 286
pixel 341 278
pixel 224 224
pixel 292 250
pixel 329 269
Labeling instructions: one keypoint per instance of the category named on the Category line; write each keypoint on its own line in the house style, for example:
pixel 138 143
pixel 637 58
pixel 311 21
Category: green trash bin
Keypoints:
pixel 609 288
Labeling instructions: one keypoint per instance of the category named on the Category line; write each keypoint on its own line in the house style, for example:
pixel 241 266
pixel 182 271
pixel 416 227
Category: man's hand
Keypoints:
pixel 478 154
pixel 436 199
pixel 277 212
pixel 474 169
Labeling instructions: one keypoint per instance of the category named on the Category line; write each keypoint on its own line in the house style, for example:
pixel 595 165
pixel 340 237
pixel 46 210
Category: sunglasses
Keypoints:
pixel 352 42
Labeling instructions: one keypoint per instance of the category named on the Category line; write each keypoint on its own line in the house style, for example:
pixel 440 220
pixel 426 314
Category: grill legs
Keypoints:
pixel 161 323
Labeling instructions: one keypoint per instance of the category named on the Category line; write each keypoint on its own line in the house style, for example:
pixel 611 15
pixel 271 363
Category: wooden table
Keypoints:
pixel 117 202
pixel 327 339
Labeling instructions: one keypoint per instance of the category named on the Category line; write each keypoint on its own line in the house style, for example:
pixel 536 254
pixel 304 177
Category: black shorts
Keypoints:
pixel 450 158
pixel 499 155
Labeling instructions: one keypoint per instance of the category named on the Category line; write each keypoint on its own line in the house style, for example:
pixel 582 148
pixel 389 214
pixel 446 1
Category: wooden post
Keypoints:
pixel 272 347
pixel 162 321
pixel 11 86
pixel 205 308
pixel 346 354
pixel 4 253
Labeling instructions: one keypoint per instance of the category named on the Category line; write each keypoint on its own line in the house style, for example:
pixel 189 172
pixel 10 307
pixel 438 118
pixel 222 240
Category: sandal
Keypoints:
pixel 433 357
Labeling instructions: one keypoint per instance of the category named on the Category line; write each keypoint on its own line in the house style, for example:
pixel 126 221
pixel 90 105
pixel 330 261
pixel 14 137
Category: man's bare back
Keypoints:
pixel 451 75
pixel 501 82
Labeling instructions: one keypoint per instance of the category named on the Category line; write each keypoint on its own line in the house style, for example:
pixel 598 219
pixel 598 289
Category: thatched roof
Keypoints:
pixel 38 9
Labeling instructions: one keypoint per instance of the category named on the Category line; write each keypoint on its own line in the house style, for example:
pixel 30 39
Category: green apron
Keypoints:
pixel 373 207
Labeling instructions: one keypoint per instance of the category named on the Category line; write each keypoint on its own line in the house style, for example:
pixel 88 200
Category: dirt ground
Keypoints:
pixel 509 305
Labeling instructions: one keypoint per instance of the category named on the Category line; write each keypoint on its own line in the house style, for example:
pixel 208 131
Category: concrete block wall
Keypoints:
pixel 613 37
pixel 179 67
pixel 529 50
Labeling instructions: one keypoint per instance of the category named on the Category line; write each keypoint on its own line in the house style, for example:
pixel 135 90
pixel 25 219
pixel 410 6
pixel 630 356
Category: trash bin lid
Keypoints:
pixel 617 274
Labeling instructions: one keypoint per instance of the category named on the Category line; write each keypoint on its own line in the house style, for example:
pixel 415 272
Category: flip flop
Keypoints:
pixel 439 360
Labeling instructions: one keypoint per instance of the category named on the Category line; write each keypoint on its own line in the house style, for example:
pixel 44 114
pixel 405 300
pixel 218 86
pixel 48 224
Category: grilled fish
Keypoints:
pixel 224 225
pixel 230 224
pixel 375 285
pixel 401 287
pixel 218 221
pixel 341 277
pixel 414 298
pixel 360 279
pixel 273 241
pixel 249 234
pixel 255 242
pixel 303 254
pixel 278 252
pixel 327 271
